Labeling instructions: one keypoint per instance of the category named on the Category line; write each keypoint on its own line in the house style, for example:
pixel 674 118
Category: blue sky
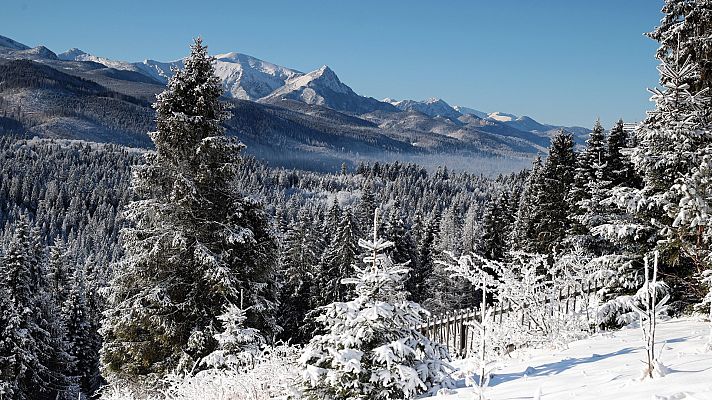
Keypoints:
pixel 565 62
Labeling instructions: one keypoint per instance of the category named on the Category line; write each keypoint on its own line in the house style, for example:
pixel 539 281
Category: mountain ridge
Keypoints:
pixel 314 113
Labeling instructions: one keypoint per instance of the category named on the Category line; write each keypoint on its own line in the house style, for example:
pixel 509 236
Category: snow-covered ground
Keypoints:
pixel 606 366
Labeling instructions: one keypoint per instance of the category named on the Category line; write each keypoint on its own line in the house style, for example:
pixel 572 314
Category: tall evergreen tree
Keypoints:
pixel 195 245
pixel 684 32
pixel 595 152
pixel 337 261
pixel 81 336
pixel 619 169
pixel 495 227
pixel 552 214
pixel 298 265
pixel 32 357
pixel 523 230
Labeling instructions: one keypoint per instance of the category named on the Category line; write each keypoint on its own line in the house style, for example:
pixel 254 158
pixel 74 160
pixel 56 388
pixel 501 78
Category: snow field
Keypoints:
pixel 605 366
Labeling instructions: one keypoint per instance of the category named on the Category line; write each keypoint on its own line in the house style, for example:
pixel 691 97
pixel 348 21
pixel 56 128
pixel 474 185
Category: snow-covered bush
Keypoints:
pixel 274 376
pixel 371 349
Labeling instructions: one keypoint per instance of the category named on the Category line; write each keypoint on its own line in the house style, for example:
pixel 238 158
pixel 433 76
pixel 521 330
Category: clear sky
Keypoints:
pixel 558 61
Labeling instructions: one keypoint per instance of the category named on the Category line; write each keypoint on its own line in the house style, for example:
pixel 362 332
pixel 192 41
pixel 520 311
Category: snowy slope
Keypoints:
pixel 244 77
pixel 322 87
pixel 607 366
pixel 470 111
pixel 75 54
pixel 501 117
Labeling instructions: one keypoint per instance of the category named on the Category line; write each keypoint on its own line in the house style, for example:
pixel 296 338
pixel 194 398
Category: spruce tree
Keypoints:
pixel 619 169
pixel 298 265
pixel 552 214
pixel 337 261
pixel 32 358
pixel 684 33
pixel 194 243
pixel 523 230
pixel 595 152
pixel 370 348
pixel 495 226
pixel 81 336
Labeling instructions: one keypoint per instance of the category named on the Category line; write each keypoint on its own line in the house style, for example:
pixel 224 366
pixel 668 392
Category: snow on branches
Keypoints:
pixel 371 348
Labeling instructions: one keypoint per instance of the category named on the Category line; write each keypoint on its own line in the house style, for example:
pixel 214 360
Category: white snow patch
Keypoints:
pixel 606 366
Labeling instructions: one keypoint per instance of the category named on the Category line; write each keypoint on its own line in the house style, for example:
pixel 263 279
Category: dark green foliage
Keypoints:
pixel 552 210
pixel 196 245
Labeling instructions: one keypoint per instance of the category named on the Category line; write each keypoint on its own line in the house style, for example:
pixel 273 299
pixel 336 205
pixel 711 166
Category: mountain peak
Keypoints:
pixel 71 54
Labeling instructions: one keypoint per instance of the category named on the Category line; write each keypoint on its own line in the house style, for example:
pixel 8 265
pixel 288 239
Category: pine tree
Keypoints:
pixel 403 250
pixel 31 350
pixel 495 229
pixel 81 336
pixel 595 152
pixel 523 231
pixel 619 169
pixel 60 270
pixel 337 262
pixel 194 243
pixel 671 144
pixel 552 213
pixel 416 284
pixel 371 349
pixel 238 347
pixel 683 33
pixel 298 265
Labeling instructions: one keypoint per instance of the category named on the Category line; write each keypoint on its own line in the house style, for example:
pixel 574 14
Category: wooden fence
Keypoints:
pixel 452 328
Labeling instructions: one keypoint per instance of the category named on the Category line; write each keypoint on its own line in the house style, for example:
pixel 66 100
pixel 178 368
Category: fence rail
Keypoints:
pixel 452 328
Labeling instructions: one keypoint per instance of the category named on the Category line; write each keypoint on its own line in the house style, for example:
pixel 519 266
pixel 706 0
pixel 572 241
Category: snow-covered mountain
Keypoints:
pixel 470 111
pixel 274 108
pixel 244 77
pixel 322 87
pixel 433 107
pixel 248 78
pixel 75 54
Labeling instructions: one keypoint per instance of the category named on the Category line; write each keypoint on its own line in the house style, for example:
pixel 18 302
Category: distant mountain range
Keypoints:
pixel 288 117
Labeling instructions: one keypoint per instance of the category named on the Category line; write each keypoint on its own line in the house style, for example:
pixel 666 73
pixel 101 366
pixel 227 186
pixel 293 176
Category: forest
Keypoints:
pixel 133 273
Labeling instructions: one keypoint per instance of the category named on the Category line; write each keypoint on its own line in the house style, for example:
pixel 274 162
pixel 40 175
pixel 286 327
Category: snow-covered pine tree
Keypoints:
pixel 194 242
pixel 523 230
pixel 371 349
pixel 60 270
pixel 495 229
pixel 298 265
pixel 683 33
pixel 336 261
pixel 594 153
pixel 592 210
pixel 673 142
pixel 422 268
pixel 619 169
pixel 81 337
pixel 552 213
pixel 32 357
pixel 403 249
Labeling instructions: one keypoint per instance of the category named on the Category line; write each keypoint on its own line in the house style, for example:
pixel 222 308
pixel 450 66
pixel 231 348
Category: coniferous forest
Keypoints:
pixel 193 269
